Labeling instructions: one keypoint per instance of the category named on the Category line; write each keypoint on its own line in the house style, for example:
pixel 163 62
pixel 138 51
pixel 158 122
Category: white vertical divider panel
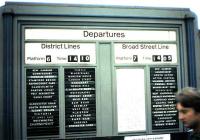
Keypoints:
pixel 131 100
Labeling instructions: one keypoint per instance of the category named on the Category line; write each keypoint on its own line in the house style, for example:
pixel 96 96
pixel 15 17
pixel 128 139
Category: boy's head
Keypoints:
pixel 188 106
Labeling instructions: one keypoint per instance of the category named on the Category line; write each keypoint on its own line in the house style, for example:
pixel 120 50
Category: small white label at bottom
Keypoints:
pixel 149 137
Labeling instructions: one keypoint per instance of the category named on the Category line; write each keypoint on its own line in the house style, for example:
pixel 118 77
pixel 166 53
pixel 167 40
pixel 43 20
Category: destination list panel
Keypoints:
pixel 42 102
pixel 80 101
pixel 163 82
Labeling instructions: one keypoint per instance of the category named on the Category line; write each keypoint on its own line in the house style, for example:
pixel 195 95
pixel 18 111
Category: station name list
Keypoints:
pixel 42 102
pixel 163 88
pixel 80 101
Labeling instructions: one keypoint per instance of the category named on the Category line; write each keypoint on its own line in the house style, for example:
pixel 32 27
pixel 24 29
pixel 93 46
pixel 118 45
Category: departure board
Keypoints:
pixel 42 102
pixel 80 100
pixel 163 82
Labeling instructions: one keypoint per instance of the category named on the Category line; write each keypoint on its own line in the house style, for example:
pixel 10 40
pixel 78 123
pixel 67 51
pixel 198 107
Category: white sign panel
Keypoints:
pixel 60 53
pixel 143 53
pixel 131 100
pixel 99 34
pixel 149 137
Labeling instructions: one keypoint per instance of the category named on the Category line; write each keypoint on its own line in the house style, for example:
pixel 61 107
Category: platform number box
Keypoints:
pixel 135 58
pixel 48 58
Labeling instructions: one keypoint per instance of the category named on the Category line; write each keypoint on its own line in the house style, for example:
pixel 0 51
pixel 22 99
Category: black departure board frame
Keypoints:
pixel 80 100
pixel 42 101
pixel 163 82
